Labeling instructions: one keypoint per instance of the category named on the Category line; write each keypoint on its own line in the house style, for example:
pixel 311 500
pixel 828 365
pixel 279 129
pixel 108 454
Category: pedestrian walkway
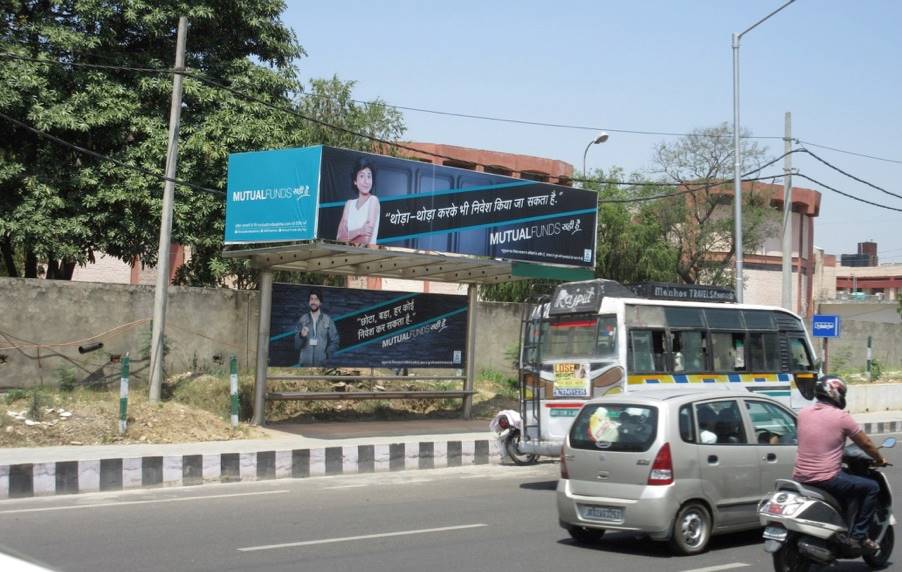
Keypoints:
pixel 290 451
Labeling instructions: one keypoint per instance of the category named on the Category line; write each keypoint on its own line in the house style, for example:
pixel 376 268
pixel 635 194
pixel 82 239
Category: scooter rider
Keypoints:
pixel 823 428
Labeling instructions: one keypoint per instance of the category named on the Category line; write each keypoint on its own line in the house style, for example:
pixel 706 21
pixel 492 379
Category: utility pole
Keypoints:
pixel 787 214
pixel 162 288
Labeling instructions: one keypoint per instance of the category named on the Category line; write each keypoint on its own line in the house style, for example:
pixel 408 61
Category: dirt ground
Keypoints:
pixel 194 409
pixel 92 418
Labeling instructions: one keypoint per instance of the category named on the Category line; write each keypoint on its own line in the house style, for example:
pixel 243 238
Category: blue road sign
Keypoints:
pixel 825 326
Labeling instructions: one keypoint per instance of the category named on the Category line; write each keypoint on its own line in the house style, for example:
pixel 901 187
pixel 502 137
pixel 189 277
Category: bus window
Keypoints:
pixel 798 349
pixel 764 352
pixel 689 349
pixel 646 351
pixel 568 339
pixel 728 350
pixel 606 343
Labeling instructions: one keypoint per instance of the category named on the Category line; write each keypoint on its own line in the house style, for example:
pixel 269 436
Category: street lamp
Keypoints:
pixel 737 154
pixel 600 138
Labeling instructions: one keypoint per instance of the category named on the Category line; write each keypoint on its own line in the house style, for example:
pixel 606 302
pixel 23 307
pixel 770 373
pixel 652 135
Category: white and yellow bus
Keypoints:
pixel 598 337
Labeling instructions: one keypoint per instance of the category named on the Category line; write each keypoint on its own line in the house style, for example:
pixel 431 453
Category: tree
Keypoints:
pixel 700 224
pixel 62 207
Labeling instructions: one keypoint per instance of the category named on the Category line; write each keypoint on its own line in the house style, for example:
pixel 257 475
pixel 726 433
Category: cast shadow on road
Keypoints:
pixel 540 485
pixel 626 543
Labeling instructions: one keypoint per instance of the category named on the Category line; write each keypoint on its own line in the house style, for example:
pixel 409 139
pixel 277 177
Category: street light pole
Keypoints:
pixel 600 138
pixel 737 155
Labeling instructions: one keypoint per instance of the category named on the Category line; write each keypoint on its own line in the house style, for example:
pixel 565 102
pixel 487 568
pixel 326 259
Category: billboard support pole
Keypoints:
pixel 262 346
pixel 471 349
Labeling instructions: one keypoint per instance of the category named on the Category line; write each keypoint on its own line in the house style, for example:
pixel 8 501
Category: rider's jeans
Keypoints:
pixel 846 486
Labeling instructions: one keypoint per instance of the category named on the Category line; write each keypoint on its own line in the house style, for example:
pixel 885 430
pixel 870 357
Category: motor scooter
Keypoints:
pixel 806 526
pixel 507 426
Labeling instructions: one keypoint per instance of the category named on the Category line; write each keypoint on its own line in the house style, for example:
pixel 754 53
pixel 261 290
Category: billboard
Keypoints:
pixel 319 326
pixel 375 200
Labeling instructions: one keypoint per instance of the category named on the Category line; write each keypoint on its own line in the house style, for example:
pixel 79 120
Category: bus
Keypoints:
pixel 599 337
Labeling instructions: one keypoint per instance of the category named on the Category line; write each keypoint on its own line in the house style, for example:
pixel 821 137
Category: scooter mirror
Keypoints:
pixel 889 443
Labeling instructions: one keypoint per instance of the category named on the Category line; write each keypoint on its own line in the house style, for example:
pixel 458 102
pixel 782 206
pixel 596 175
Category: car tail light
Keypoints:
pixel 503 422
pixel 565 474
pixel 662 469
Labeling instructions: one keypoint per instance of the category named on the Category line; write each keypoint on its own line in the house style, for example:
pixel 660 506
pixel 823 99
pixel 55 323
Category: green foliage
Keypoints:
pixel 65 378
pixel 61 207
pixel 699 225
pixel 211 393
pixel 876 370
pixel 500 382
pixel 14 395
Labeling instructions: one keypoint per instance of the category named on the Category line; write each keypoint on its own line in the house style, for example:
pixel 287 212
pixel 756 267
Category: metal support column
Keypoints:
pixel 471 349
pixel 263 346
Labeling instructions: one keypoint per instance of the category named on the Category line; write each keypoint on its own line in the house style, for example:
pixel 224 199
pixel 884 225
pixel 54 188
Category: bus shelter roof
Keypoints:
pixel 332 258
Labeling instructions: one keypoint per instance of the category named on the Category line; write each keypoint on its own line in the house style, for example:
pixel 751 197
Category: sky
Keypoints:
pixel 663 66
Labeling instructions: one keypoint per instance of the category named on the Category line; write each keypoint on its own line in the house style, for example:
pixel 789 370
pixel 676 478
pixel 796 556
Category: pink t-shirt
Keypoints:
pixel 823 430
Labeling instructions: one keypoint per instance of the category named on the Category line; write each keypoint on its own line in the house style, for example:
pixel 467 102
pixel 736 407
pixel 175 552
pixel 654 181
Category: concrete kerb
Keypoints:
pixel 23 480
pixel 193 464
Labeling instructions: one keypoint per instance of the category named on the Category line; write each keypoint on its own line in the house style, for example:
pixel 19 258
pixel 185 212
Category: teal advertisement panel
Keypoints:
pixel 272 196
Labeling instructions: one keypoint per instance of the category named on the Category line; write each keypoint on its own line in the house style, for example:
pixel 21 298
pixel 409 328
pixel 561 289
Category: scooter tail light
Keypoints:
pixel 662 469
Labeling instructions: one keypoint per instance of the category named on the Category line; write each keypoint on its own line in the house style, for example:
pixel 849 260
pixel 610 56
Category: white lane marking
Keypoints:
pixel 346 487
pixel 730 566
pixel 363 537
pixel 131 503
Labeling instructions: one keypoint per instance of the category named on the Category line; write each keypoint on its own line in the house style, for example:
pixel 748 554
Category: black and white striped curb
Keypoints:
pixel 70 477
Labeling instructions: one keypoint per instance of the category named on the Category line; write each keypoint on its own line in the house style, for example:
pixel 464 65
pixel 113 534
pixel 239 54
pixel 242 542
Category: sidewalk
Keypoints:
pixel 291 451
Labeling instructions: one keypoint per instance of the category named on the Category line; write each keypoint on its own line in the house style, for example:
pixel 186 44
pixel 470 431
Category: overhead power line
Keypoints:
pixel 248 97
pixel 853 197
pixel 101 156
pixel 865 155
pixel 851 176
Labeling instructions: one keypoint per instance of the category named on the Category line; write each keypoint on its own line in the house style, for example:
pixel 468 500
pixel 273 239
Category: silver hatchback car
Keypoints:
pixel 675 466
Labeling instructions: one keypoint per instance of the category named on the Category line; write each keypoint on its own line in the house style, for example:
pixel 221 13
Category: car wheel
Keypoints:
pixel 691 529
pixel 584 535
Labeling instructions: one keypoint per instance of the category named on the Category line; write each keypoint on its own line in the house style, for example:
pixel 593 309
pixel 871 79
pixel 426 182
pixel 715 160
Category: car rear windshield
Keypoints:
pixel 615 427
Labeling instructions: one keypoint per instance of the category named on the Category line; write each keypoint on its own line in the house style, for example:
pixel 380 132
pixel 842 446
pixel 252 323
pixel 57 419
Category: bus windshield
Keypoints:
pixel 593 338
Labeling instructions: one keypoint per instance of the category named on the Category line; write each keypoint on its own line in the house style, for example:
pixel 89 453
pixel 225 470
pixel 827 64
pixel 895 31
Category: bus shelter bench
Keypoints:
pixel 340 395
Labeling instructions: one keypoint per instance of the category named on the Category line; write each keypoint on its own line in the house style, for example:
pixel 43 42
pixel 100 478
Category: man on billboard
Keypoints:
pixel 317 337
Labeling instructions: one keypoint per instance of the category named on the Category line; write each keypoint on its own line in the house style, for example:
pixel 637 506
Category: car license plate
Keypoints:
pixel 601 513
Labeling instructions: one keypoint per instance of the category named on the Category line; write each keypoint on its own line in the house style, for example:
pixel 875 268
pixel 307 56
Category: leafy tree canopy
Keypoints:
pixel 62 207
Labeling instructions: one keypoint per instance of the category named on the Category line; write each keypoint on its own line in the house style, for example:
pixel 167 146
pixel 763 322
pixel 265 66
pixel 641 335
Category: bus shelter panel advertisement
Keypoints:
pixel 318 326
pixel 374 200
pixel 272 195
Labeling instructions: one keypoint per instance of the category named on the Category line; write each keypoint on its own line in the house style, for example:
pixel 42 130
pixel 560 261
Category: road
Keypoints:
pixel 472 518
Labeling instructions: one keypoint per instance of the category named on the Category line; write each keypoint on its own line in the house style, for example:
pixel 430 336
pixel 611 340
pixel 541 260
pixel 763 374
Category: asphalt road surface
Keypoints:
pixel 498 518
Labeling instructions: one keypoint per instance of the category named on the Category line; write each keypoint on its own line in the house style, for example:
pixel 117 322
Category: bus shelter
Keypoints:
pixel 341 212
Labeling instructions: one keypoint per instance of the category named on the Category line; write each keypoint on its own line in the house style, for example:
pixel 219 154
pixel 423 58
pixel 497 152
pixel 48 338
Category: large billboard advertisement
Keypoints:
pixel 375 200
pixel 318 326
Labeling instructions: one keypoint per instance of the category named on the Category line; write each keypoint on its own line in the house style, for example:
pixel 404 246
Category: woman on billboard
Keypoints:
pixel 360 219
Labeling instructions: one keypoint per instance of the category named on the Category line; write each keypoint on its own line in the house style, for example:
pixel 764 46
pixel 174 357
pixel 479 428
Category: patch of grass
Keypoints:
pixel 499 382
pixel 211 393
pixel 14 395
pixel 65 378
